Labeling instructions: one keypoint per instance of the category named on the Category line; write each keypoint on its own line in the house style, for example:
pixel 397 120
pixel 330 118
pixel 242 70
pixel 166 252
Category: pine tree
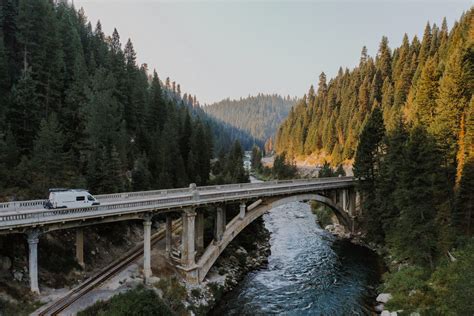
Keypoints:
pixel 384 59
pixel 25 113
pixel 340 171
pixel 416 196
pixel 114 180
pixel 463 215
pixel 367 167
pixel 156 113
pixel 451 103
pixel 39 41
pixel 426 94
pixel 50 162
pixel 103 121
pixel 4 81
pixel 185 137
pixel 234 168
pixel 389 178
pixel 73 115
pixel 141 176
pixel 256 158
pixel 325 171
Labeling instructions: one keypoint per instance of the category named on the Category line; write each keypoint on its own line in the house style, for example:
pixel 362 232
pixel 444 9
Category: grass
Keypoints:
pixel 20 309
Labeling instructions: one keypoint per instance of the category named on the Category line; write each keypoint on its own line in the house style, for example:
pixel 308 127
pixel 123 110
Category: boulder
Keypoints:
pixel 5 263
pixel 18 276
pixel 241 251
pixel 383 298
pixel 379 308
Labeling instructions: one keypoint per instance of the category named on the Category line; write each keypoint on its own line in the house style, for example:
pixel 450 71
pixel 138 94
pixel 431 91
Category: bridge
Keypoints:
pixel 254 199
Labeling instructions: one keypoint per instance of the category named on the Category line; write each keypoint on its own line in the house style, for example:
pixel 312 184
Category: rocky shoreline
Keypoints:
pixel 239 259
pixel 341 232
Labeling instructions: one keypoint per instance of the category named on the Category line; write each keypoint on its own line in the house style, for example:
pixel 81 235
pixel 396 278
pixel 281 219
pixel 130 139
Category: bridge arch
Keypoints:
pixel 236 225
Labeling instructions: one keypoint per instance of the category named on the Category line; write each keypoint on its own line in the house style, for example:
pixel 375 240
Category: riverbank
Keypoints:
pixel 247 252
pixel 309 272
pixel 327 219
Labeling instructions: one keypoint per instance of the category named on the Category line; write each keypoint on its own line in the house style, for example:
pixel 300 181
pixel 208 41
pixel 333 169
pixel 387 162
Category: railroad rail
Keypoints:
pixel 104 275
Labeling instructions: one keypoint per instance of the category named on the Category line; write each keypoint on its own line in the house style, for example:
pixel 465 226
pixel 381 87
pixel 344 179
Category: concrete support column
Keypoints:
pixel 80 247
pixel 333 196
pixel 242 210
pixel 169 235
pixel 188 237
pixel 344 200
pixel 200 231
pixel 147 248
pixel 219 224
pixel 33 239
pixel 358 202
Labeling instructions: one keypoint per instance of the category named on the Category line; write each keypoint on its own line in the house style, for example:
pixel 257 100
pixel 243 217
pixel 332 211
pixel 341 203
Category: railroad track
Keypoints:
pixel 105 274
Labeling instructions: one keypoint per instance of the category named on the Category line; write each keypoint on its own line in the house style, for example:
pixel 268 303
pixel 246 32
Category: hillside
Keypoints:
pixel 259 116
pixel 427 82
pixel 76 110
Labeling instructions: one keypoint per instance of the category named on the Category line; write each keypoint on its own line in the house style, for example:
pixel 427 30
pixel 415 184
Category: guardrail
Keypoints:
pixel 36 204
pixel 210 194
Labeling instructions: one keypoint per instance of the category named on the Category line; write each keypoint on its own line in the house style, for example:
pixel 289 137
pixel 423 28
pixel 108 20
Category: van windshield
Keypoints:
pixel 90 198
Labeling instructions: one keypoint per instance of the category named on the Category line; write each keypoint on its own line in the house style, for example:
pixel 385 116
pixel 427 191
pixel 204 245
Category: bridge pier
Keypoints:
pixel 200 231
pixel 219 224
pixel 168 235
pixel 80 246
pixel 33 240
pixel 188 235
pixel 344 200
pixel 147 248
pixel 242 210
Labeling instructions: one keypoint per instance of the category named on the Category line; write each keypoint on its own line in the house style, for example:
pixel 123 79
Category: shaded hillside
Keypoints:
pixel 259 116
pixel 224 134
pixel 77 111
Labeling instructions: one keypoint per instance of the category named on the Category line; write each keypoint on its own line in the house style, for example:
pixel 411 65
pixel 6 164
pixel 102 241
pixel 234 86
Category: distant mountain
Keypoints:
pixel 224 134
pixel 258 115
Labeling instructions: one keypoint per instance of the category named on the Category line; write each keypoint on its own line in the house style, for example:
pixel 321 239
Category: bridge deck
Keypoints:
pixel 24 214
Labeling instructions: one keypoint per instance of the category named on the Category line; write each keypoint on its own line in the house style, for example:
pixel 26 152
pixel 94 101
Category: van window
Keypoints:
pixel 80 198
pixel 90 198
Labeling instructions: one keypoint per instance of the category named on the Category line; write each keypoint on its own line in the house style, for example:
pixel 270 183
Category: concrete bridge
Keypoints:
pixel 254 199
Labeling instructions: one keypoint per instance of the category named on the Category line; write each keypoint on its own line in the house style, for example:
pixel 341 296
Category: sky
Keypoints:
pixel 219 49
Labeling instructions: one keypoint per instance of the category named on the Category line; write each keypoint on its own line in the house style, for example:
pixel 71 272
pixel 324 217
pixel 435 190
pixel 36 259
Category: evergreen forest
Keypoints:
pixel 425 82
pixel 76 110
pixel 415 165
pixel 258 116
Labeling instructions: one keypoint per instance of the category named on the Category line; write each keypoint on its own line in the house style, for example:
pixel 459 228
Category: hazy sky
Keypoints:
pixel 219 49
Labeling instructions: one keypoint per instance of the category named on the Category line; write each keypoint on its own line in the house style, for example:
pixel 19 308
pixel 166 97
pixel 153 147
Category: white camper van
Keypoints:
pixel 69 198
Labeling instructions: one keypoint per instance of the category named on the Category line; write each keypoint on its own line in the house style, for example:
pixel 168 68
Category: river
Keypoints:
pixel 309 272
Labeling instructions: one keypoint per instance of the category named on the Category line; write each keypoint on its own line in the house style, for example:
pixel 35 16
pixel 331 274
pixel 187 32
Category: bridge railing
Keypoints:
pixel 21 205
pixel 35 204
pixel 167 202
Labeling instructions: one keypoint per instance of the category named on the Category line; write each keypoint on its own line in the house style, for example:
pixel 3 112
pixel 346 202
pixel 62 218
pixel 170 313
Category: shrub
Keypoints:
pixel 196 293
pixel 216 290
pixel 173 294
pixel 139 301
